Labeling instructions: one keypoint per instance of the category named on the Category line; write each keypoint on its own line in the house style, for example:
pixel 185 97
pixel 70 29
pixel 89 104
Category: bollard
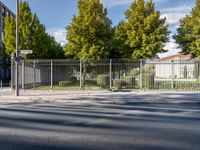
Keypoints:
pixel 110 74
pixel 34 74
pixel 141 74
pixel 51 74
pixel 1 84
pixel 80 75
pixel 172 71
pixel 23 74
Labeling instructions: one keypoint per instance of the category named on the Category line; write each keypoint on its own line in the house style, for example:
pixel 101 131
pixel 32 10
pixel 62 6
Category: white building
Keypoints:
pixel 179 66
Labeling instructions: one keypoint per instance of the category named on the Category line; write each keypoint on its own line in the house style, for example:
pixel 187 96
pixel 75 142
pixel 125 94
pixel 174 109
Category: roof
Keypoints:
pixel 2 4
pixel 181 56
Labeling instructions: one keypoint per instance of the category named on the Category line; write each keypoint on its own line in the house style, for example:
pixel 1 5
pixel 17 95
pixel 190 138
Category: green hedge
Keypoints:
pixel 74 80
pixel 130 82
pixel 103 80
pixel 64 83
pixel 177 85
pixel 184 85
pixel 162 85
pixel 148 81
pixel 118 83
pixel 90 82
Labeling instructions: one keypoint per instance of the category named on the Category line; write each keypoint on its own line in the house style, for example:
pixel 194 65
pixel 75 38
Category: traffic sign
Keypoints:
pixel 17 59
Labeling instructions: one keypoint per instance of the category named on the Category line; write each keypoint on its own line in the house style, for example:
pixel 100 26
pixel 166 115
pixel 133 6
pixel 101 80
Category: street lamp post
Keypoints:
pixel 17 50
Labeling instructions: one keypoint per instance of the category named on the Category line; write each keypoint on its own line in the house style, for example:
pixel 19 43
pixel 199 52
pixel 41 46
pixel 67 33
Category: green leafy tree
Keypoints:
pixel 4 57
pixel 10 36
pixel 188 36
pixel 55 50
pixel 32 35
pixel 121 48
pixel 143 33
pixel 90 33
pixel 4 65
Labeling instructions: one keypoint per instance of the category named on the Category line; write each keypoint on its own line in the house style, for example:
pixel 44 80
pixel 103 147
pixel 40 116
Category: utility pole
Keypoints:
pixel 17 50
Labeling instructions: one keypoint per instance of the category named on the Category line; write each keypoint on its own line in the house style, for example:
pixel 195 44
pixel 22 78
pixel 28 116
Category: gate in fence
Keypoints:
pixel 114 74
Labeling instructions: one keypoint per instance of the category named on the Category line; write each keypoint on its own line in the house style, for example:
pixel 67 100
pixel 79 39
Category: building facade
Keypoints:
pixel 182 68
pixel 4 64
pixel 5 11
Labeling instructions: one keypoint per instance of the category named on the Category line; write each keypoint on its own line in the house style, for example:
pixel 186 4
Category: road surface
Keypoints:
pixel 105 122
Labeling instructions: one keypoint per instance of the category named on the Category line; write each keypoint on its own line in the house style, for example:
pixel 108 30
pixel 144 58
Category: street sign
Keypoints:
pixel 23 53
pixel 17 59
pixel 26 52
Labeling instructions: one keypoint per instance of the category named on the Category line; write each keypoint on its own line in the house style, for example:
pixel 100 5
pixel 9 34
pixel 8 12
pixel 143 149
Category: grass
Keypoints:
pixel 74 88
pixel 56 88
pixel 92 86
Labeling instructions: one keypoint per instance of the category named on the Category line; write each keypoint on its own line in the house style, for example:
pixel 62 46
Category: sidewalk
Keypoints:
pixel 8 96
pixel 34 96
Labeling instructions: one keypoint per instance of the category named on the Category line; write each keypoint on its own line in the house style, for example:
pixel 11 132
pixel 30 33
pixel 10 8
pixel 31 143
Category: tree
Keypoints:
pixel 90 33
pixel 188 33
pixel 32 34
pixel 143 33
pixel 55 50
pixel 4 57
pixel 4 65
pixel 10 36
pixel 121 48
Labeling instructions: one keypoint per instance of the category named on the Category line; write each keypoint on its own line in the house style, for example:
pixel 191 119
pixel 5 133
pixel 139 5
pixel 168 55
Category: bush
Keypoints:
pixel 103 80
pixel 64 83
pixel 198 79
pixel 129 81
pixel 73 80
pixel 177 85
pixel 118 84
pixel 163 85
pixel 187 85
pixel 148 81
pixel 90 82
pixel 134 72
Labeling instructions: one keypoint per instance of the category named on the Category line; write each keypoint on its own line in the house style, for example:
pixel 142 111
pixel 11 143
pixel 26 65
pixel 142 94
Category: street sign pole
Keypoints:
pixel 17 50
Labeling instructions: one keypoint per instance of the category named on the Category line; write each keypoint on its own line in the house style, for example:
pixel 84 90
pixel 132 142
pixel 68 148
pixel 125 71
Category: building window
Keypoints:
pixel 3 11
pixel 3 24
pixel 2 35
pixel 7 13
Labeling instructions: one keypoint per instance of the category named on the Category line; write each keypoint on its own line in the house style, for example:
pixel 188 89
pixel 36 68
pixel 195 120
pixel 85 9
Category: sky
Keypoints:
pixel 57 14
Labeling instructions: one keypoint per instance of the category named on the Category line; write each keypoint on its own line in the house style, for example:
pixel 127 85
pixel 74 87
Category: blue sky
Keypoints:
pixel 57 14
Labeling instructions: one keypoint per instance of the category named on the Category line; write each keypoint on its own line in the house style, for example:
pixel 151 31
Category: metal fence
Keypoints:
pixel 5 74
pixel 123 74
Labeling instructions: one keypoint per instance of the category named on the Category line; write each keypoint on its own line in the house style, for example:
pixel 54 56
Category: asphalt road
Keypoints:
pixel 110 122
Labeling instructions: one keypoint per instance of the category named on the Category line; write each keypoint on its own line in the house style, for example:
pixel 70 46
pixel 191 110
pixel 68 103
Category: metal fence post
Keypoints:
pixel 80 75
pixel 34 74
pixel 51 74
pixel 141 74
pixel 110 74
pixel 12 75
pixel 23 74
pixel 172 71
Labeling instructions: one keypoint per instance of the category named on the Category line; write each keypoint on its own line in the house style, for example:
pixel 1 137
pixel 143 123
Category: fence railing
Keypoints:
pixel 109 74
